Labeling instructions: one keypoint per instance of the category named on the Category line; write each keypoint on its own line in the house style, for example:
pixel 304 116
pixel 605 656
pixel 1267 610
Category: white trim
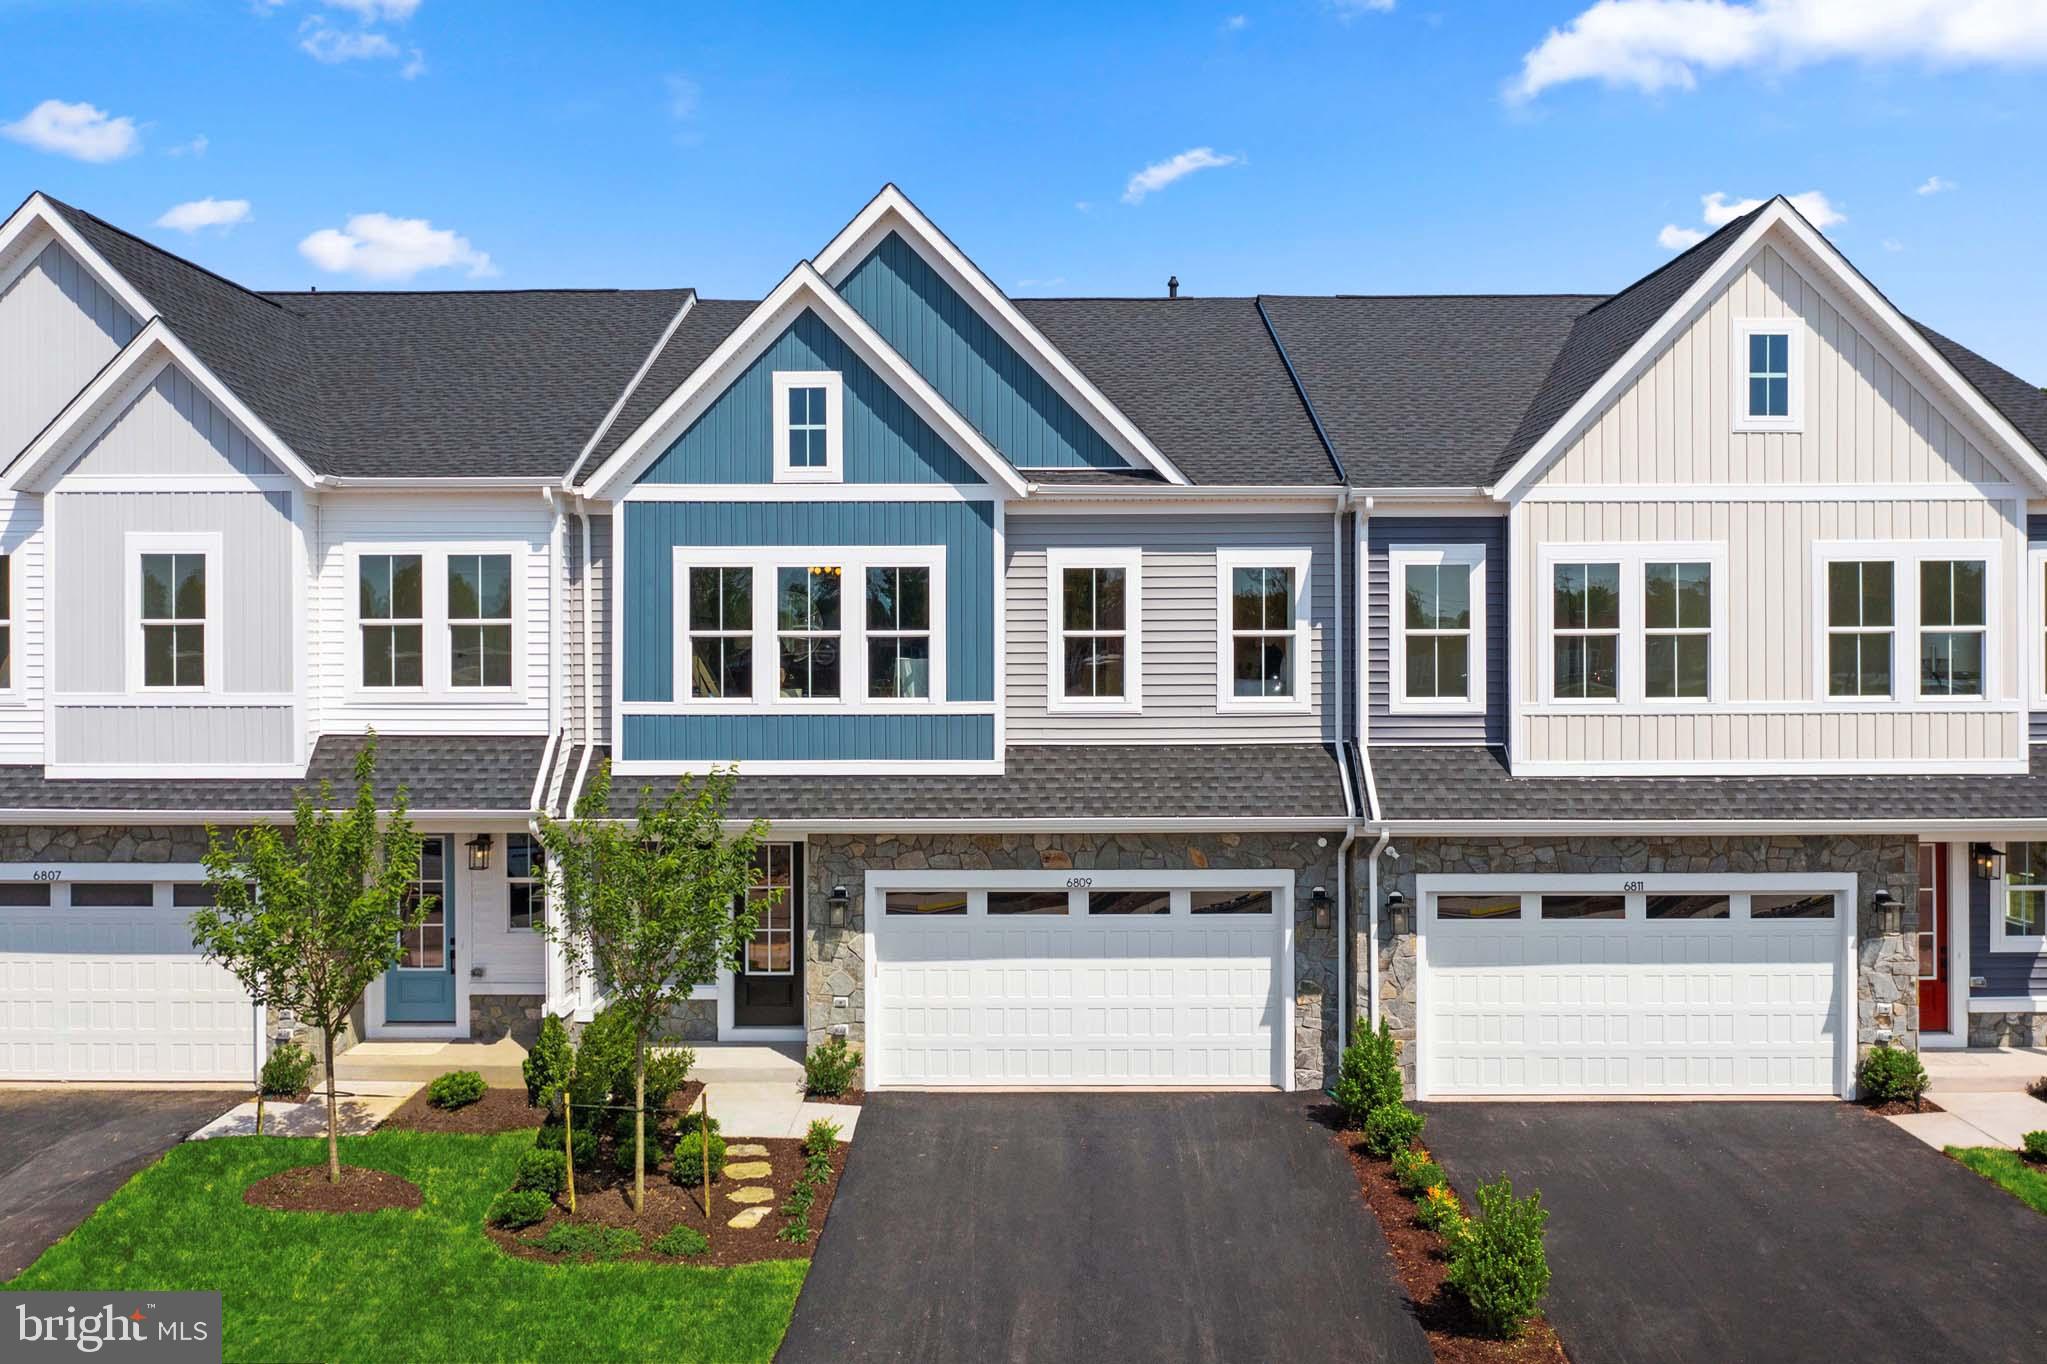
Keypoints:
pixel 63 873
pixel 833 470
pixel 891 210
pixel 207 545
pixel 802 288
pixel 764 562
pixel 180 698
pixel 1778 216
pixel 181 483
pixel 2014 1004
pixel 1956 491
pixel 20 244
pixel 1768 767
pixel 1298 562
pixel 1131 561
pixel 1793 329
pixel 1084 499
pixel 437 686
pixel 2001 938
pixel 1632 557
pixel 1977 829
pixel 811 492
pixel 788 766
pixel 632 385
pixel 1398 559
pixel 2033 640
pixel 1905 557
pixel 163 771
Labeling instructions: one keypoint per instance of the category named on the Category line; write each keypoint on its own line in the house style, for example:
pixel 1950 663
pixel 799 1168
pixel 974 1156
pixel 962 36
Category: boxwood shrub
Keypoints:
pixel 829 1068
pixel 1368 1075
pixel 519 1208
pixel 681 1241
pixel 689 1160
pixel 2036 1146
pixel 1497 1263
pixel 1891 1075
pixel 456 1089
pixel 1392 1127
pixel 585 1142
pixel 543 1169
pixel 289 1071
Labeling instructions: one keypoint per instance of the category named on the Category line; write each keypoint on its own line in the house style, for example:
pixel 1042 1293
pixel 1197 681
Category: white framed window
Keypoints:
pixel 2018 907
pixel 1585 631
pixel 1769 375
pixel 173 593
pixel 1677 630
pixel 1906 621
pixel 1862 618
pixel 391 616
pixel 809 426
pixel 480 621
pixel 1265 655
pixel 772 628
pixel 6 622
pixel 1633 623
pixel 1437 611
pixel 1953 626
pixel 526 882
pixel 2036 574
pixel 771 951
pixel 1095 601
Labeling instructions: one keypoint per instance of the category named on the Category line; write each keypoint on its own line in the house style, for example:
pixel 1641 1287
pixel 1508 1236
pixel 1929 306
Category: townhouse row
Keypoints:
pixel 1626 693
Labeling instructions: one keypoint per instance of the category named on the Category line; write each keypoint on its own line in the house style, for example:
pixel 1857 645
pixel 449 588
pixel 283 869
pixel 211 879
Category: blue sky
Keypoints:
pixel 1357 148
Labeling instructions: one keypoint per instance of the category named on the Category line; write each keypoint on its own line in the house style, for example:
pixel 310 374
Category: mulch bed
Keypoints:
pixel 305 1189
pixel 499 1110
pixel 1895 1107
pixel 604 1198
pixel 1418 1256
pixel 852 1097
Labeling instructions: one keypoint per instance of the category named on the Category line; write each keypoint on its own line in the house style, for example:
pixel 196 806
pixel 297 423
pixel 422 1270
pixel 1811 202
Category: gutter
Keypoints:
pixel 19 816
pixel 522 483
pixel 1958 828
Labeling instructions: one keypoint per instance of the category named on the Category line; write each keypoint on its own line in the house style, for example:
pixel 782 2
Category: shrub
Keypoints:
pixel 820 1139
pixel 1438 1208
pixel 588 1241
pixel 602 1054
pixel 519 1208
pixel 2036 1146
pixel 681 1241
pixel 693 1121
pixel 666 1070
pixel 1368 1075
pixel 584 1141
pixel 1392 1127
pixel 543 1169
pixel 689 1161
pixel 289 1071
pixel 829 1068
pixel 1415 1172
pixel 456 1089
pixel 547 1065
pixel 1891 1075
pixel 622 1149
pixel 2038 1089
pixel 1497 1264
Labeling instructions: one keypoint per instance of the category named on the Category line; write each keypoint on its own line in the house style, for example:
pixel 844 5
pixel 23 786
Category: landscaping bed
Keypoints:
pixel 1892 1108
pixel 852 1097
pixel 499 1110
pixel 604 1200
pixel 306 1188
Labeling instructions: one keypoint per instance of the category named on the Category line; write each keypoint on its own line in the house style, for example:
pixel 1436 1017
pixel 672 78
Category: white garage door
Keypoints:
pixel 1657 985
pixel 1079 980
pixel 102 983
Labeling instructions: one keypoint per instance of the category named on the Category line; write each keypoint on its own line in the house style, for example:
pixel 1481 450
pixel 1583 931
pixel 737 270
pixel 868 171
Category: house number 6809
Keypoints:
pixel 1079 882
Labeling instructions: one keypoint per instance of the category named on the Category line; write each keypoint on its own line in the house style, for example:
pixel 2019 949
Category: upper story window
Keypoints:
pixel 1585 627
pixel 721 633
pixel 1861 622
pixel 807 630
pixel 2022 897
pixel 1262 602
pixel 899 632
pixel 1095 629
pixel 1438 620
pixel 175 605
pixel 526 875
pixel 390 604
pixel 1767 363
pixel 1677 636
pixel 808 427
pixel 480 620
pixel 6 622
pixel 1953 623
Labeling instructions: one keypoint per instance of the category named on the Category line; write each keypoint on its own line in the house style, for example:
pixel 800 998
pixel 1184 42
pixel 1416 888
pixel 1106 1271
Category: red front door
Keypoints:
pixel 1933 938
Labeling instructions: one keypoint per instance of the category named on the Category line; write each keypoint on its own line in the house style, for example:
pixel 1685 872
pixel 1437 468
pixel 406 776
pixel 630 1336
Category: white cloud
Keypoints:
pixel 334 46
pixel 190 217
pixel 1653 45
pixel 683 96
pixel 1818 209
pixel 1935 184
pixel 196 147
pixel 1055 282
pixel 1236 23
pixel 1893 244
pixel 415 65
pixel 81 131
pixel 1675 238
pixel 378 246
pixel 376 11
pixel 1351 9
pixel 1159 174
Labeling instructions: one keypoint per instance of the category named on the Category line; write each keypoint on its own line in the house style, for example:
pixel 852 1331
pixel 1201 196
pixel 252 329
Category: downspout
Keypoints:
pixel 555 680
pixel 1372 931
pixel 1350 831
pixel 589 638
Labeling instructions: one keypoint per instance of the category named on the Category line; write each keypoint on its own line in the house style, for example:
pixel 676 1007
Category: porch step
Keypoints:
pixel 498 1062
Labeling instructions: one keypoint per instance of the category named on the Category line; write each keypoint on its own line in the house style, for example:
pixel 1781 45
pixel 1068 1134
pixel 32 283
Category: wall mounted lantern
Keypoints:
pixel 1318 900
pixel 835 907
pixel 479 852
pixel 1986 861
pixel 1397 913
pixel 1890 913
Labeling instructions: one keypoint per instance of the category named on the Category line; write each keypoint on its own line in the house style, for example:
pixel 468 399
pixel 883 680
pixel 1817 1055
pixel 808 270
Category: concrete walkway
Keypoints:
pixel 756 1090
pixel 498 1062
pixel 360 1105
pixel 1984 1093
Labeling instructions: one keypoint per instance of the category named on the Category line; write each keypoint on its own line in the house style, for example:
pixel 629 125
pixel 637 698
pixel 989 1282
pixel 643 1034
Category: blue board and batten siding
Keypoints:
pixel 1385 533
pixel 947 341
pixel 2005 975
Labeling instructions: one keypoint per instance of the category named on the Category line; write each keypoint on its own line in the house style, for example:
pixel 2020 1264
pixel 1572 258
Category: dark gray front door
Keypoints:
pixel 767 990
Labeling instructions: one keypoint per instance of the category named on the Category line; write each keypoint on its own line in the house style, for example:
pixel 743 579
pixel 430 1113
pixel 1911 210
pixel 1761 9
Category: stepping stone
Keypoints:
pixel 749 1169
pixel 747 1148
pixel 748 1219
pixel 755 1194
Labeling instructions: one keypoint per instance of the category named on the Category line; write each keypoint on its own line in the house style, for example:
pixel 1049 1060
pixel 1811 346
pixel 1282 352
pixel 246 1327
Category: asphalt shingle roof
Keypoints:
pixel 702 329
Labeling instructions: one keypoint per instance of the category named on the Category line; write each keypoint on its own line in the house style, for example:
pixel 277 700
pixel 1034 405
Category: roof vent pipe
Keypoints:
pixel 1173 287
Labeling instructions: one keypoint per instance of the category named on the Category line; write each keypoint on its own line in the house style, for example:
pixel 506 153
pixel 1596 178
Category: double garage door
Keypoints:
pixel 1084 979
pixel 1635 985
pixel 99 981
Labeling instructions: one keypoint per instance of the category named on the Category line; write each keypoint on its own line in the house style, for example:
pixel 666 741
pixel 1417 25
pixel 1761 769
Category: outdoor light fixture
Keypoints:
pixel 1890 913
pixel 479 852
pixel 1319 899
pixel 1987 862
pixel 836 904
pixel 1396 913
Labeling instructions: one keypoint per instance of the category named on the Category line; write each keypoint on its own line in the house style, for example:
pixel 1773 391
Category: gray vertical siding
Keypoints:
pixel 172 430
pixel 1178 612
pixel 58 328
pixel 591 630
pixel 2036 535
pixel 174 734
pixel 2004 973
pixel 1387 532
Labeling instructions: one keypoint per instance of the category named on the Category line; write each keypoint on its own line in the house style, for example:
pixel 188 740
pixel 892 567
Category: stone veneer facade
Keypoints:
pixel 492 1017
pixel 835 969
pixel 1887 983
pixel 2008 1030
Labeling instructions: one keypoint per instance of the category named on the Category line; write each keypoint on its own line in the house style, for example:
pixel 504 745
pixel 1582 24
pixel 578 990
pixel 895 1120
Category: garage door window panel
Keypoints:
pixel 111 894
pixel 1230 902
pixel 924 902
pixel 1687 908
pixel 1027 902
pixel 1782 907
pixel 24 894
pixel 1574 908
pixel 1130 902
pixel 1485 908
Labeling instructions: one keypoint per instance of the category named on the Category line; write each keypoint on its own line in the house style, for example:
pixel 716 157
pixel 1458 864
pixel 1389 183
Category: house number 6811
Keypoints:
pixel 1631 885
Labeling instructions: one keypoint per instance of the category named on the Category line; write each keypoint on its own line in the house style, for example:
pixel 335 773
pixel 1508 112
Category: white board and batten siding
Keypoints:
pixel 1877 460
pixel 1180 653
pixel 58 328
pixel 426 522
pixel 21 701
pixel 591 631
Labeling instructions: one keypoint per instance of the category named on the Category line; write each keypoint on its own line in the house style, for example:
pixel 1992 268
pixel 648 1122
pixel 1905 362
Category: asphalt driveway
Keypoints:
pixel 62 1151
pixel 1099 1226
pixel 1758 1231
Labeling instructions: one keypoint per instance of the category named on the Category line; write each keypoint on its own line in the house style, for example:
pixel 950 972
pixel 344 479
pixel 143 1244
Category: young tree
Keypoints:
pixel 307 921
pixel 650 907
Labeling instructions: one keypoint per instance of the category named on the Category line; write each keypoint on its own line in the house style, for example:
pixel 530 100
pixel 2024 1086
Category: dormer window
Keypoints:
pixel 1770 392
pixel 808 434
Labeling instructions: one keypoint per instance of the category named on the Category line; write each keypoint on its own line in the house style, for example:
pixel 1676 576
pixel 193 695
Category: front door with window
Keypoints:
pixel 767 989
pixel 421 987
pixel 1933 938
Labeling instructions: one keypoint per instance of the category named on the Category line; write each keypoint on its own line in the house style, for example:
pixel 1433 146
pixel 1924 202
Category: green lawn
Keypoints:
pixel 2009 1170
pixel 425 1284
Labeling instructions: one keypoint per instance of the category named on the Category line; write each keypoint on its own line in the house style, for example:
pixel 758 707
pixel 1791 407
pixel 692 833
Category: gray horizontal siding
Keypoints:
pixel 174 735
pixel 2036 535
pixel 1384 533
pixel 1178 610
pixel 2004 974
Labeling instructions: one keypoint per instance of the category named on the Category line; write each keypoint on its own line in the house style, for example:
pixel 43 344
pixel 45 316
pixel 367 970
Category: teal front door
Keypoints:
pixel 421 987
